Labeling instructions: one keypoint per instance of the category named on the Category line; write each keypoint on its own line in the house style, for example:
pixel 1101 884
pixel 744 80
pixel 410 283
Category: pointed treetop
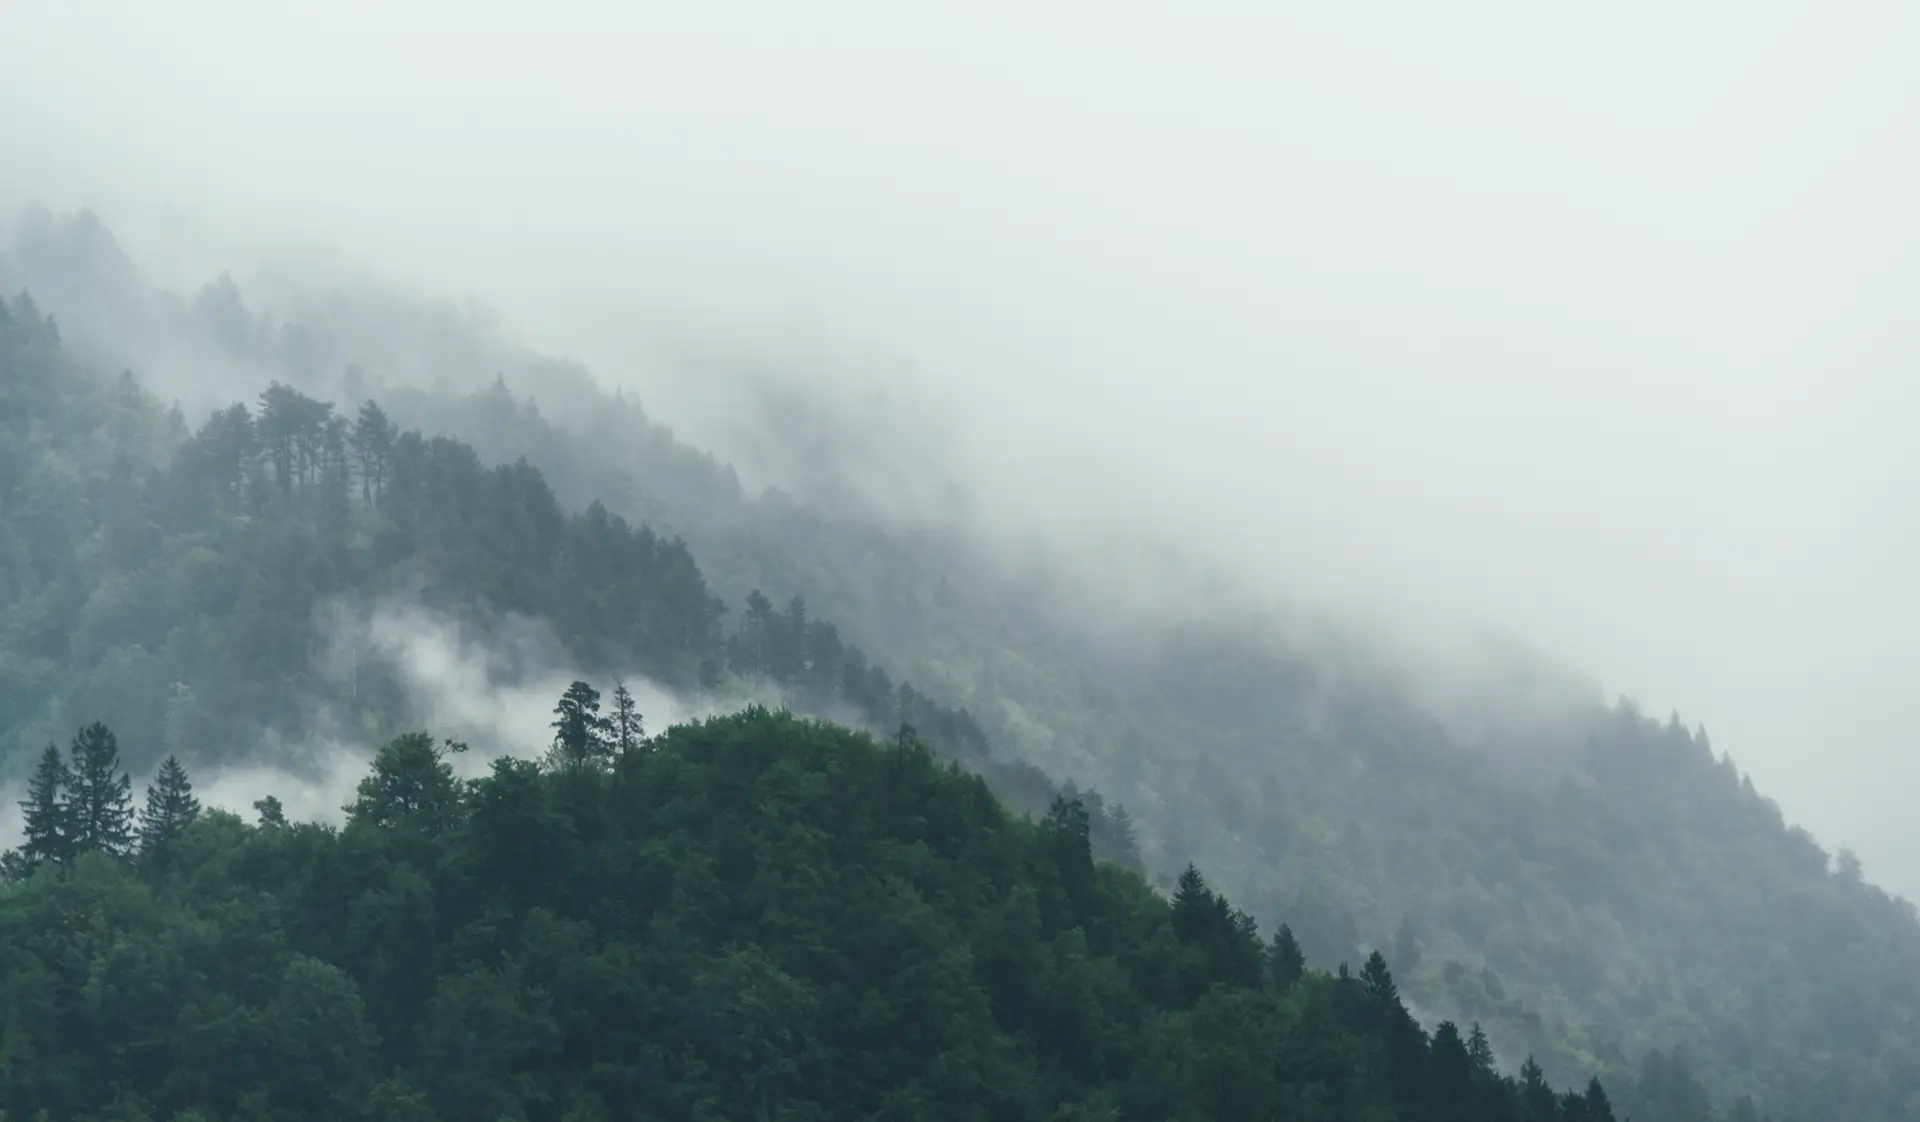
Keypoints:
pixel 170 808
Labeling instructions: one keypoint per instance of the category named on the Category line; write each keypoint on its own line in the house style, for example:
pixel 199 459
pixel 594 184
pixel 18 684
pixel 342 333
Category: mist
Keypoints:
pixel 1588 327
pixel 491 689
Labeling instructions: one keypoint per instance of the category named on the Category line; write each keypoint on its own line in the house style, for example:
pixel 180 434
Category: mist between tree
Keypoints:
pixel 492 688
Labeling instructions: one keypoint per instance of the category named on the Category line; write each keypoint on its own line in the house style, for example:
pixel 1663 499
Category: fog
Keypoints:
pixel 492 689
pixel 1590 326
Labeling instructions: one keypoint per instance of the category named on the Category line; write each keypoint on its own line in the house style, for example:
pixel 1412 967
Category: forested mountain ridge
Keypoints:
pixel 1629 899
pixel 751 917
pixel 181 601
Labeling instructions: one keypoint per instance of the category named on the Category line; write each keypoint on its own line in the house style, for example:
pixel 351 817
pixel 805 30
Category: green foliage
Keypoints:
pixel 170 808
pixel 1596 892
pixel 762 917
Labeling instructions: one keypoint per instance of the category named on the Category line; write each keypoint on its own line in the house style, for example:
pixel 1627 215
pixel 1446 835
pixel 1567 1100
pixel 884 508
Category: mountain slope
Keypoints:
pixel 1598 888
pixel 752 917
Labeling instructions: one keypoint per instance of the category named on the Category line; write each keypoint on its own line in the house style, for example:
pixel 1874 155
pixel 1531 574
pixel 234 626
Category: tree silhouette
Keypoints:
pixel 101 805
pixel 170 808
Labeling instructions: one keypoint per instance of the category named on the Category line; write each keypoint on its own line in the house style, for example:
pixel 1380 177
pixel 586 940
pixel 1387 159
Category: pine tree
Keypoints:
pixel 101 806
pixel 1382 995
pixel 1479 1050
pixel 170 808
pixel 581 736
pixel 1285 962
pixel 625 721
pixel 1069 830
pixel 1537 1101
pixel 1598 1108
pixel 271 812
pixel 49 815
pixel 1192 906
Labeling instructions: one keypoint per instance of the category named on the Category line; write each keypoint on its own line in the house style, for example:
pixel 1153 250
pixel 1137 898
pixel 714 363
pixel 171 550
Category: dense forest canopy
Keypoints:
pixel 751 917
pixel 1625 904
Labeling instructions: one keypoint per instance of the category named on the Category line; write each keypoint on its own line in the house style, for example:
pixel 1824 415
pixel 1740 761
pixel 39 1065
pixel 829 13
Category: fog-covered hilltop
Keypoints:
pixel 1599 888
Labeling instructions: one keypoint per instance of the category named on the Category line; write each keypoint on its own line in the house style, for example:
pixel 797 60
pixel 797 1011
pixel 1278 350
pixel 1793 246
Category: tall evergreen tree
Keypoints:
pixel 1070 834
pixel 49 814
pixel 101 805
pixel 1381 992
pixel 1598 1108
pixel 1537 1100
pixel 1192 905
pixel 625 720
pixel 581 736
pixel 170 808
pixel 1285 962
pixel 1480 1050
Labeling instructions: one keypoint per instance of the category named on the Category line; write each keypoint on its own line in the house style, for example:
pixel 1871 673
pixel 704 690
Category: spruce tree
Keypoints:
pixel 1382 994
pixel 1480 1050
pixel 1192 906
pixel 1285 962
pixel 1537 1100
pixel 170 808
pixel 1598 1108
pixel 49 814
pixel 101 806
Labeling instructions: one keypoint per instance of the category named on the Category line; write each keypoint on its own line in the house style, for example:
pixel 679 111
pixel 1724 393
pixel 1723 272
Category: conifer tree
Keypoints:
pixel 1537 1101
pixel 580 734
pixel 1070 829
pixel 625 721
pixel 170 808
pixel 1480 1050
pixel 1286 964
pixel 1382 995
pixel 101 806
pixel 1598 1108
pixel 270 811
pixel 1192 905
pixel 49 816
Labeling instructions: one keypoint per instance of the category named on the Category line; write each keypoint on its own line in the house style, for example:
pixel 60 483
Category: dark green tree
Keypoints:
pixel 48 812
pixel 1382 995
pixel 1069 835
pixel 1286 964
pixel 271 812
pixel 1537 1100
pixel 624 721
pixel 1599 1109
pixel 581 736
pixel 1480 1050
pixel 1193 912
pixel 170 808
pixel 411 785
pixel 101 803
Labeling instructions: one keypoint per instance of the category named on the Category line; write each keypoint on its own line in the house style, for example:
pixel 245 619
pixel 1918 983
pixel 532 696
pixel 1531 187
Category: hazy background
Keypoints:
pixel 1595 325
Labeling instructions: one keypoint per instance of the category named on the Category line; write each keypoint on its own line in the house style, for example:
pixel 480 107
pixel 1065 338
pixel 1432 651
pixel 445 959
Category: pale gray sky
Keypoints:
pixel 1595 324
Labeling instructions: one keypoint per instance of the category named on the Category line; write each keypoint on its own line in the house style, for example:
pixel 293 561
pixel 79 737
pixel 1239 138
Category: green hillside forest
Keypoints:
pixel 756 917
pixel 1604 892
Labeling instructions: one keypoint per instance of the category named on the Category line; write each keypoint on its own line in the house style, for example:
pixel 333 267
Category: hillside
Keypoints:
pixel 752 917
pixel 1603 891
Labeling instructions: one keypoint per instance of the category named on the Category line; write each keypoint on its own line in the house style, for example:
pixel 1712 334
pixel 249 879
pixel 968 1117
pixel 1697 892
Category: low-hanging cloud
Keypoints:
pixel 491 687
pixel 1590 325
